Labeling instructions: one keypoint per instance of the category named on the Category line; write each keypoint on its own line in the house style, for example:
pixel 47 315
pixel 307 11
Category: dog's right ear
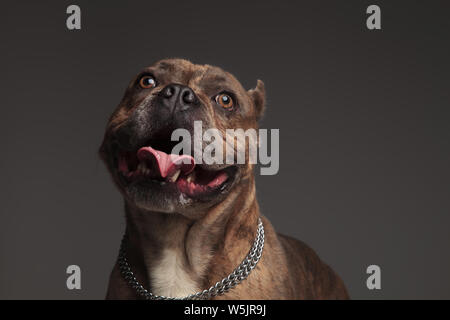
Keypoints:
pixel 258 96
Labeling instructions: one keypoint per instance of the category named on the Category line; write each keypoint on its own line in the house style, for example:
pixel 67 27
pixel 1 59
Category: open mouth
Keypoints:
pixel 152 165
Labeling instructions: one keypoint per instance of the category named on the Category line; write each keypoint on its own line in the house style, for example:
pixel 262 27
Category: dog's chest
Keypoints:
pixel 170 277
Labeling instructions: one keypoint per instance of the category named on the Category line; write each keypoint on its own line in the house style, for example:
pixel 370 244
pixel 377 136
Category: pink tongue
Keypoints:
pixel 167 164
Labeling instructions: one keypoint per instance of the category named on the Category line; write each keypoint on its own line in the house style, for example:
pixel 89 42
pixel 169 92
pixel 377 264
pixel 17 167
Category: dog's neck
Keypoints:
pixel 176 256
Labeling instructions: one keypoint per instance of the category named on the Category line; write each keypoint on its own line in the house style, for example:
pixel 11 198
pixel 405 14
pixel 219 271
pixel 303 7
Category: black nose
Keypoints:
pixel 179 97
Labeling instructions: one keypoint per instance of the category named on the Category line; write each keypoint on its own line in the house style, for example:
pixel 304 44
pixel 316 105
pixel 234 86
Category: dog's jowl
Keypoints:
pixel 190 225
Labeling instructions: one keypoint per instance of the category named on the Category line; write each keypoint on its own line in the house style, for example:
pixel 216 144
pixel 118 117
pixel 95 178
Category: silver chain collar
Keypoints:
pixel 238 275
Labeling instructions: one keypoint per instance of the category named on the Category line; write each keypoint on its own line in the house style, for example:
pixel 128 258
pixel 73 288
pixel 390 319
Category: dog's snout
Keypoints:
pixel 179 97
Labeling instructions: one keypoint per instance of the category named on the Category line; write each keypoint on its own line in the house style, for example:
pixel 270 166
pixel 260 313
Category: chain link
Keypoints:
pixel 238 275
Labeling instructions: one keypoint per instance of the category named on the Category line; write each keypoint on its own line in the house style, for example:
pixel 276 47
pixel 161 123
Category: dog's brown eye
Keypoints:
pixel 225 100
pixel 147 82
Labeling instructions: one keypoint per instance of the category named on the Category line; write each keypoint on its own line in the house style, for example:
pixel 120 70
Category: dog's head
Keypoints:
pixel 176 94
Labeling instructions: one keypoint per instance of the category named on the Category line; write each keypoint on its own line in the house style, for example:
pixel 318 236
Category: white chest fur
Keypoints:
pixel 169 276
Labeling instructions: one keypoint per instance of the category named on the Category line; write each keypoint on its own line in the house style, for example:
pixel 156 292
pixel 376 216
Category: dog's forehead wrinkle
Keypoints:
pixel 215 74
pixel 173 63
pixel 214 80
pixel 165 65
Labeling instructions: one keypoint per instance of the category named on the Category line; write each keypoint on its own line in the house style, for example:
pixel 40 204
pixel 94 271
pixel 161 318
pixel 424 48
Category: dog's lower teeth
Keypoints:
pixel 142 168
pixel 190 177
pixel 175 176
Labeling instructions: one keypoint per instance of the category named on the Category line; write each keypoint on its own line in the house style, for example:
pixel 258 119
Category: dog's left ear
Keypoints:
pixel 258 95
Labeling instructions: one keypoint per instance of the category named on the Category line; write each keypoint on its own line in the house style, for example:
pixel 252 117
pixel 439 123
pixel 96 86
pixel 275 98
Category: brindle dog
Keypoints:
pixel 190 225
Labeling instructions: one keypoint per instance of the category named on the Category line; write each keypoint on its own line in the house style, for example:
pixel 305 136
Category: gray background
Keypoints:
pixel 363 119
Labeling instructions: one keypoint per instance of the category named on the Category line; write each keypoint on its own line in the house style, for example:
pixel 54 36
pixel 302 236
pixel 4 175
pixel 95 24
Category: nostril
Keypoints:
pixel 168 91
pixel 188 97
